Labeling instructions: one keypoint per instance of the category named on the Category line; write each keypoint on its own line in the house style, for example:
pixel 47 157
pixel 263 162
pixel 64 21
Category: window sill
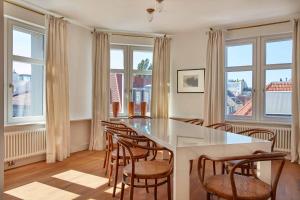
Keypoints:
pixel 25 124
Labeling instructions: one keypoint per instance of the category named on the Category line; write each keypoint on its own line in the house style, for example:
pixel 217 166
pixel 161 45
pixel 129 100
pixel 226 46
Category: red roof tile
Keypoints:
pixel 279 86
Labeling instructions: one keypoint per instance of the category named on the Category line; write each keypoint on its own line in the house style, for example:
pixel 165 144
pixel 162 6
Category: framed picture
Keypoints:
pixel 190 81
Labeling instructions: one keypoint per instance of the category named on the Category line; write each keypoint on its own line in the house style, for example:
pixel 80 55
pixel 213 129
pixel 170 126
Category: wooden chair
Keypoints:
pixel 265 133
pixel 221 126
pixel 139 117
pixel 157 170
pixel 106 124
pixel 239 187
pixel 191 121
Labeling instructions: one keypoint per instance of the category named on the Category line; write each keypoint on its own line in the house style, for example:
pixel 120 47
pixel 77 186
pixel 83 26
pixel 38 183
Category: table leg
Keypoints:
pixel 181 179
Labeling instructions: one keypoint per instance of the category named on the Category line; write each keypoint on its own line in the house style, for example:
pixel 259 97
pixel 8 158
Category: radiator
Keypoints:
pixel 283 139
pixel 24 144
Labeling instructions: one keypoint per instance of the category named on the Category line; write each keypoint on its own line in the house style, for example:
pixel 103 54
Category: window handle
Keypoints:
pixel 11 86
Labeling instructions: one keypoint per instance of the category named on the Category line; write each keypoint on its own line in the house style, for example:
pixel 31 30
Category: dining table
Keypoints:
pixel 188 142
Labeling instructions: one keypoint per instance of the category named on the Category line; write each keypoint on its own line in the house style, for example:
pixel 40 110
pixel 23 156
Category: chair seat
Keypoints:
pixel 248 188
pixel 138 153
pixel 149 169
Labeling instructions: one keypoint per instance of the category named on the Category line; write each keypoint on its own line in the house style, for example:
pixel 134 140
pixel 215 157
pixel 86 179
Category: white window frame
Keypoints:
pixel 10 58
pixel 263 68
pixel 128 71
pixel 251 68
pixel 258 77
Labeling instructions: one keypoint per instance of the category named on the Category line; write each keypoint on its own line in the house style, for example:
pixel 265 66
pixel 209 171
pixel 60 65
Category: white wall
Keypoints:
pixel 80 72
pixel 188 51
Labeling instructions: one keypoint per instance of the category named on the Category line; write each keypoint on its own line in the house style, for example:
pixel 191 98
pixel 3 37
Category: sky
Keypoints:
pixel 117 58
pixel 276 52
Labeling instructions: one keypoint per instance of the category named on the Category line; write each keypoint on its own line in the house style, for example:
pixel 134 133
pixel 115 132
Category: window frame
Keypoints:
pixel 11 58
pixel 258 77
pixel 263 68
pixel 128 70
pixel 251 68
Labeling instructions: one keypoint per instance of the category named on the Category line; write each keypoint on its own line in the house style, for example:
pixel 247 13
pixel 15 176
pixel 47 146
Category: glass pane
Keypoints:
pixel 239 93
pixel 117 90
pixel 141 91
pixel 28 44
pixel 279 52
pixel 142 60
pixel 28 86
pixel 116 59
pixel 278 97
pixel 239 55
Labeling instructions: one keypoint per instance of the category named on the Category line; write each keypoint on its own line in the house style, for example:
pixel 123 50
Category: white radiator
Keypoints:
pixel 23 144
pixel 283 139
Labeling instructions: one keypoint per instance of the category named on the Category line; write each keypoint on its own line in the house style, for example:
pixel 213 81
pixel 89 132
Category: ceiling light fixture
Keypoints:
pixel 159 5
pixel 150 14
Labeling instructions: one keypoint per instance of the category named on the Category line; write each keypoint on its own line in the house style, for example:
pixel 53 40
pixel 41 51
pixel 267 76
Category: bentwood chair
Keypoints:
pixel 158 171
pixel 264 133
pixel 106 124
pixel 238 187
pixel 119 158
pixel 219 126
pixel 139 117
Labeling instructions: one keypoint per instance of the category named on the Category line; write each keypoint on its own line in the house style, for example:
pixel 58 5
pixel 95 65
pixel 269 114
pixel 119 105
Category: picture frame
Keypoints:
pixel 190 80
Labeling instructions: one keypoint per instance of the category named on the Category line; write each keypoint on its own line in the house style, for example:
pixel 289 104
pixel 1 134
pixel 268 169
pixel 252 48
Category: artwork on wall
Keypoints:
pixel 190 81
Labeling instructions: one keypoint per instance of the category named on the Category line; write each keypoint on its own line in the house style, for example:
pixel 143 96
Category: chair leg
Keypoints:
pixel 146 185
pixel 122 191
pixel 191 166
pixel 116 178
pixel 110 173
pixel 107 162
pixel 105 159
pixel 214 167
pixel 131 187
pixel 207 196
pixel 155 190
pixel 169 188
pixel 223 168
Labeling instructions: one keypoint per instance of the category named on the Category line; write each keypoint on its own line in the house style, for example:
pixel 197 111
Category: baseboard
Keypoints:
pixel 24 161
pixel 79 148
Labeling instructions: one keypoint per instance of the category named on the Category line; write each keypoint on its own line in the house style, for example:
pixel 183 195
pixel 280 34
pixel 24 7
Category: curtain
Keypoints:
pixel 295 149
pixel 57 91
pixel 160 78
pixel 214 79
pixel 101 88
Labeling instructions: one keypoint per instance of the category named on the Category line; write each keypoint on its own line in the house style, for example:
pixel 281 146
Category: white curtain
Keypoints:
pixel 295 151
pixel 160 78
pixel 214 79
pixel 101 62
pixel 57 91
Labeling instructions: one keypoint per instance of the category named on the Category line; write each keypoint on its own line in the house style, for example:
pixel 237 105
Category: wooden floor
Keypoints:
pixel 90 162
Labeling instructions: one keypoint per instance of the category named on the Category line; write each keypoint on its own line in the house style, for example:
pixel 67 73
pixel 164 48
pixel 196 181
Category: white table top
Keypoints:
pixel 174 134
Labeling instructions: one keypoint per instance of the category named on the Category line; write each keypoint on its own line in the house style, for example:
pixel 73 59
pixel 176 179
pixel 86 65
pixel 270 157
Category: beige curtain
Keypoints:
pixel 295 151
pixel 160 78
pixel 101 60
pixel 57 91
pixel 214 79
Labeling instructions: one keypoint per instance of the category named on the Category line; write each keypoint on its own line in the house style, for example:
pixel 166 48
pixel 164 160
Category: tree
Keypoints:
pixel 144 65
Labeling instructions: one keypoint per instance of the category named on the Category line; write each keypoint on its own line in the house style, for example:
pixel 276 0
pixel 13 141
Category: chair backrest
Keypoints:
pixel 139 117
pixel 196 121
pixel 221 126
pixel 112 124
pixel 260 132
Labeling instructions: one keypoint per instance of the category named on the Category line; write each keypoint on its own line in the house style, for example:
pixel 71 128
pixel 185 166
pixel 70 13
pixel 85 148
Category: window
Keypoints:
pixel 130 76
pixel 25 67
pixel 258 79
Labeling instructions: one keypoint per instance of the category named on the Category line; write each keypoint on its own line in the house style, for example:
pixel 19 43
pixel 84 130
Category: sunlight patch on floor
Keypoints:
pixel 118 189
pixel 81 178
pixel 38 191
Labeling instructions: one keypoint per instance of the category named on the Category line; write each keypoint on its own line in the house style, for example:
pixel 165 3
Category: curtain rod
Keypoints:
pixel 258 25
pixel 24 7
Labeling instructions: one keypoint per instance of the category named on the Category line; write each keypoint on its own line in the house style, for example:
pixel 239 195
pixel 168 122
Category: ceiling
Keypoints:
pixel 178 15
